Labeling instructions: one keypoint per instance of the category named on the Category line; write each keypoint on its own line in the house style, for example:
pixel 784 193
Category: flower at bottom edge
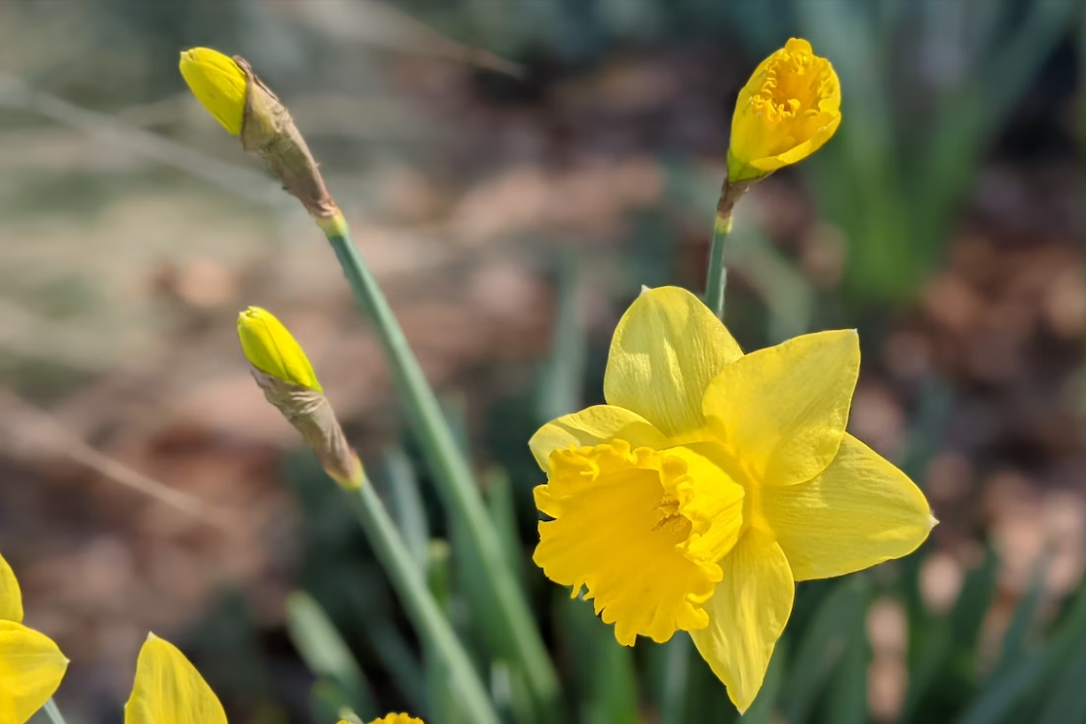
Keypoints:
pixel 31 669
pixel 634 527
pixel 394 719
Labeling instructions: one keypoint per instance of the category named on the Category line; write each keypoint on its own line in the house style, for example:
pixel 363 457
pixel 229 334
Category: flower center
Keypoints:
pixel 669 519
pixel 620 531
pixel 795 82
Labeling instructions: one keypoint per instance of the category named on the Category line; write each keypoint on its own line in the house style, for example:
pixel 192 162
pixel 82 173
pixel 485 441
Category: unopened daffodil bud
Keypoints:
pixel 787 110
pixel 219 83
pixel 285 375
pixel 272 349
pixel 230 91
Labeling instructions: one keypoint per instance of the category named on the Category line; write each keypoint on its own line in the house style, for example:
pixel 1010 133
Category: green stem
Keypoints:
pixel 423 610
pixel 718 275
pixel 53 711
pixel 520 639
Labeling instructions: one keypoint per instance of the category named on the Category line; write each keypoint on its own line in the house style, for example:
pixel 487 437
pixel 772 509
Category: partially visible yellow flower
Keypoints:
pixel 790 107
pixel 711 481
pixel 394 719
pixel 218 83
pixel 11 598
pixel 31 664
pixel 271 348
pixel 169 690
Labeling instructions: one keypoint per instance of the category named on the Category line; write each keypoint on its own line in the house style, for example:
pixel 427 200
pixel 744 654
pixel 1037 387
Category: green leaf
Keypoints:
pixel 1067 703
pixel 824 641
pixel 848 689
pixel 674 677
pixel 325 652
pixel 406 504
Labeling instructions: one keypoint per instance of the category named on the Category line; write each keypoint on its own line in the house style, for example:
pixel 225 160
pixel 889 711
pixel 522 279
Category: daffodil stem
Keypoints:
pixel 520 640
pixel 718 275
pixel 53 711
pixel 429 622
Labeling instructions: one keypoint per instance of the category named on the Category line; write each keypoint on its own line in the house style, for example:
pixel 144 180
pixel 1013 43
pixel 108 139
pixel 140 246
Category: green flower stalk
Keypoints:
pixel 788 109
pixel 267 129
pixel 283 372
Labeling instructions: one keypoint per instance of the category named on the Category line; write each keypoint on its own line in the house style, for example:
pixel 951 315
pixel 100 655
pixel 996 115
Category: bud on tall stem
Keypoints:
pixel 231 91
pixel 285 375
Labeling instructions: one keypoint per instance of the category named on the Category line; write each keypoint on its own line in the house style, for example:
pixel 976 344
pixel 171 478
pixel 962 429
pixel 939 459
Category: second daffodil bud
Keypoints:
pixel 285 375
pixel 787 110
pixel 218 83
pixel 230 91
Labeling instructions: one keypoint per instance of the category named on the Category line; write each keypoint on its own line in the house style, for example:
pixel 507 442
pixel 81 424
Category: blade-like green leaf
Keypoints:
pixel 822 645
pixel 325 652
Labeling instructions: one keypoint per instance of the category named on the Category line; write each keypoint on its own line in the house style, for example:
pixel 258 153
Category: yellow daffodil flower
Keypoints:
pixel 711 481
pixel 790 107
pixel 218 83
pixel 169 690
pixel 31 664
pixel 272 349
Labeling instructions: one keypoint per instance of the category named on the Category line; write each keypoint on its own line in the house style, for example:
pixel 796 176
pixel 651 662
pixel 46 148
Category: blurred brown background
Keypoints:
pixel 493 160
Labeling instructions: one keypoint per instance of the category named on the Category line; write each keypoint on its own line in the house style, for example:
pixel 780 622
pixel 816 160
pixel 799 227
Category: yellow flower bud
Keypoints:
pixel 270 348
pixel 218 83
pixel 790 107
pixel 283 372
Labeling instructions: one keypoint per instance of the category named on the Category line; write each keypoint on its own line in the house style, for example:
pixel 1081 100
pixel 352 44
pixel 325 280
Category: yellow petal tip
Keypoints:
pixel 219 83
pixel 272 349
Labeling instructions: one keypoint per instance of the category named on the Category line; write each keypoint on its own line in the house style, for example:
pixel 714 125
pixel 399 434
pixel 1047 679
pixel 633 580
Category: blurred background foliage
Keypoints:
pixel 514 172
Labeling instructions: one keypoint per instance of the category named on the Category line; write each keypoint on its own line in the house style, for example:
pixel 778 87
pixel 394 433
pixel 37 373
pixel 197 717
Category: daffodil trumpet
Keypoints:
pixel 712 481
pixel 31 664
pixel 247 108
pixel 788 109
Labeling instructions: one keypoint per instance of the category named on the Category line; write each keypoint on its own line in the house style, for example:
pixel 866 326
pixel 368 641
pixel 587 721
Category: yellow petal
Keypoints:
pixel 169 690
pixel 394 719
pixel 747 614
pixel 11 599
pixel 593 426
pixel 667 347
pixel 858 513
pixel 619 530
pixel 31 668
pixel 787 110
pixel 783 410
pixel 271 348
pixel 218 83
